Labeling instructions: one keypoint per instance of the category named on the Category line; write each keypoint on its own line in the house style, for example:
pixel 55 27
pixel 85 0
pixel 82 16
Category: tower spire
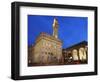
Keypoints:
pixel 55 28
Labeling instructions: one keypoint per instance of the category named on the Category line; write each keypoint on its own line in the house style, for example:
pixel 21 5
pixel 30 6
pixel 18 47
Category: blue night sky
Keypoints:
pixel 72 30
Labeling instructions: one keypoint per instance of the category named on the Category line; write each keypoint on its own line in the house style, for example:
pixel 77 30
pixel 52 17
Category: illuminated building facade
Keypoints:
pixel 47 48
pixel 76 54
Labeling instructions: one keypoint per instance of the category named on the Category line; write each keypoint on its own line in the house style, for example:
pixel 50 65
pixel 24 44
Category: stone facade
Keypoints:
pixel 47 50
pixel 30 54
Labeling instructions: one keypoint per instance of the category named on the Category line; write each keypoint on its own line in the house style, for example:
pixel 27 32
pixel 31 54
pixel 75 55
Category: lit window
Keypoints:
pixel 75 54
pixel 29 61
pixel 82 54
pixel 55 46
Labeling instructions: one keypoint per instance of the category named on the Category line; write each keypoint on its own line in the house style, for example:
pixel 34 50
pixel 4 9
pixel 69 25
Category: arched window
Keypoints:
pixel 82 54
pixel 86 49
pixel 75 54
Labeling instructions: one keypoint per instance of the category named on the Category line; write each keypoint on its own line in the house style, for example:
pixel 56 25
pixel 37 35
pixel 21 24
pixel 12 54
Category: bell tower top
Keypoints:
pixel 55 23
pixel 55 28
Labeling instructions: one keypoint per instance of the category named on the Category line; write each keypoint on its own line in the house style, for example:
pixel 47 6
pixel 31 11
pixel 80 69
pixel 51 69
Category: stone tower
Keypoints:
pixel 55 28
